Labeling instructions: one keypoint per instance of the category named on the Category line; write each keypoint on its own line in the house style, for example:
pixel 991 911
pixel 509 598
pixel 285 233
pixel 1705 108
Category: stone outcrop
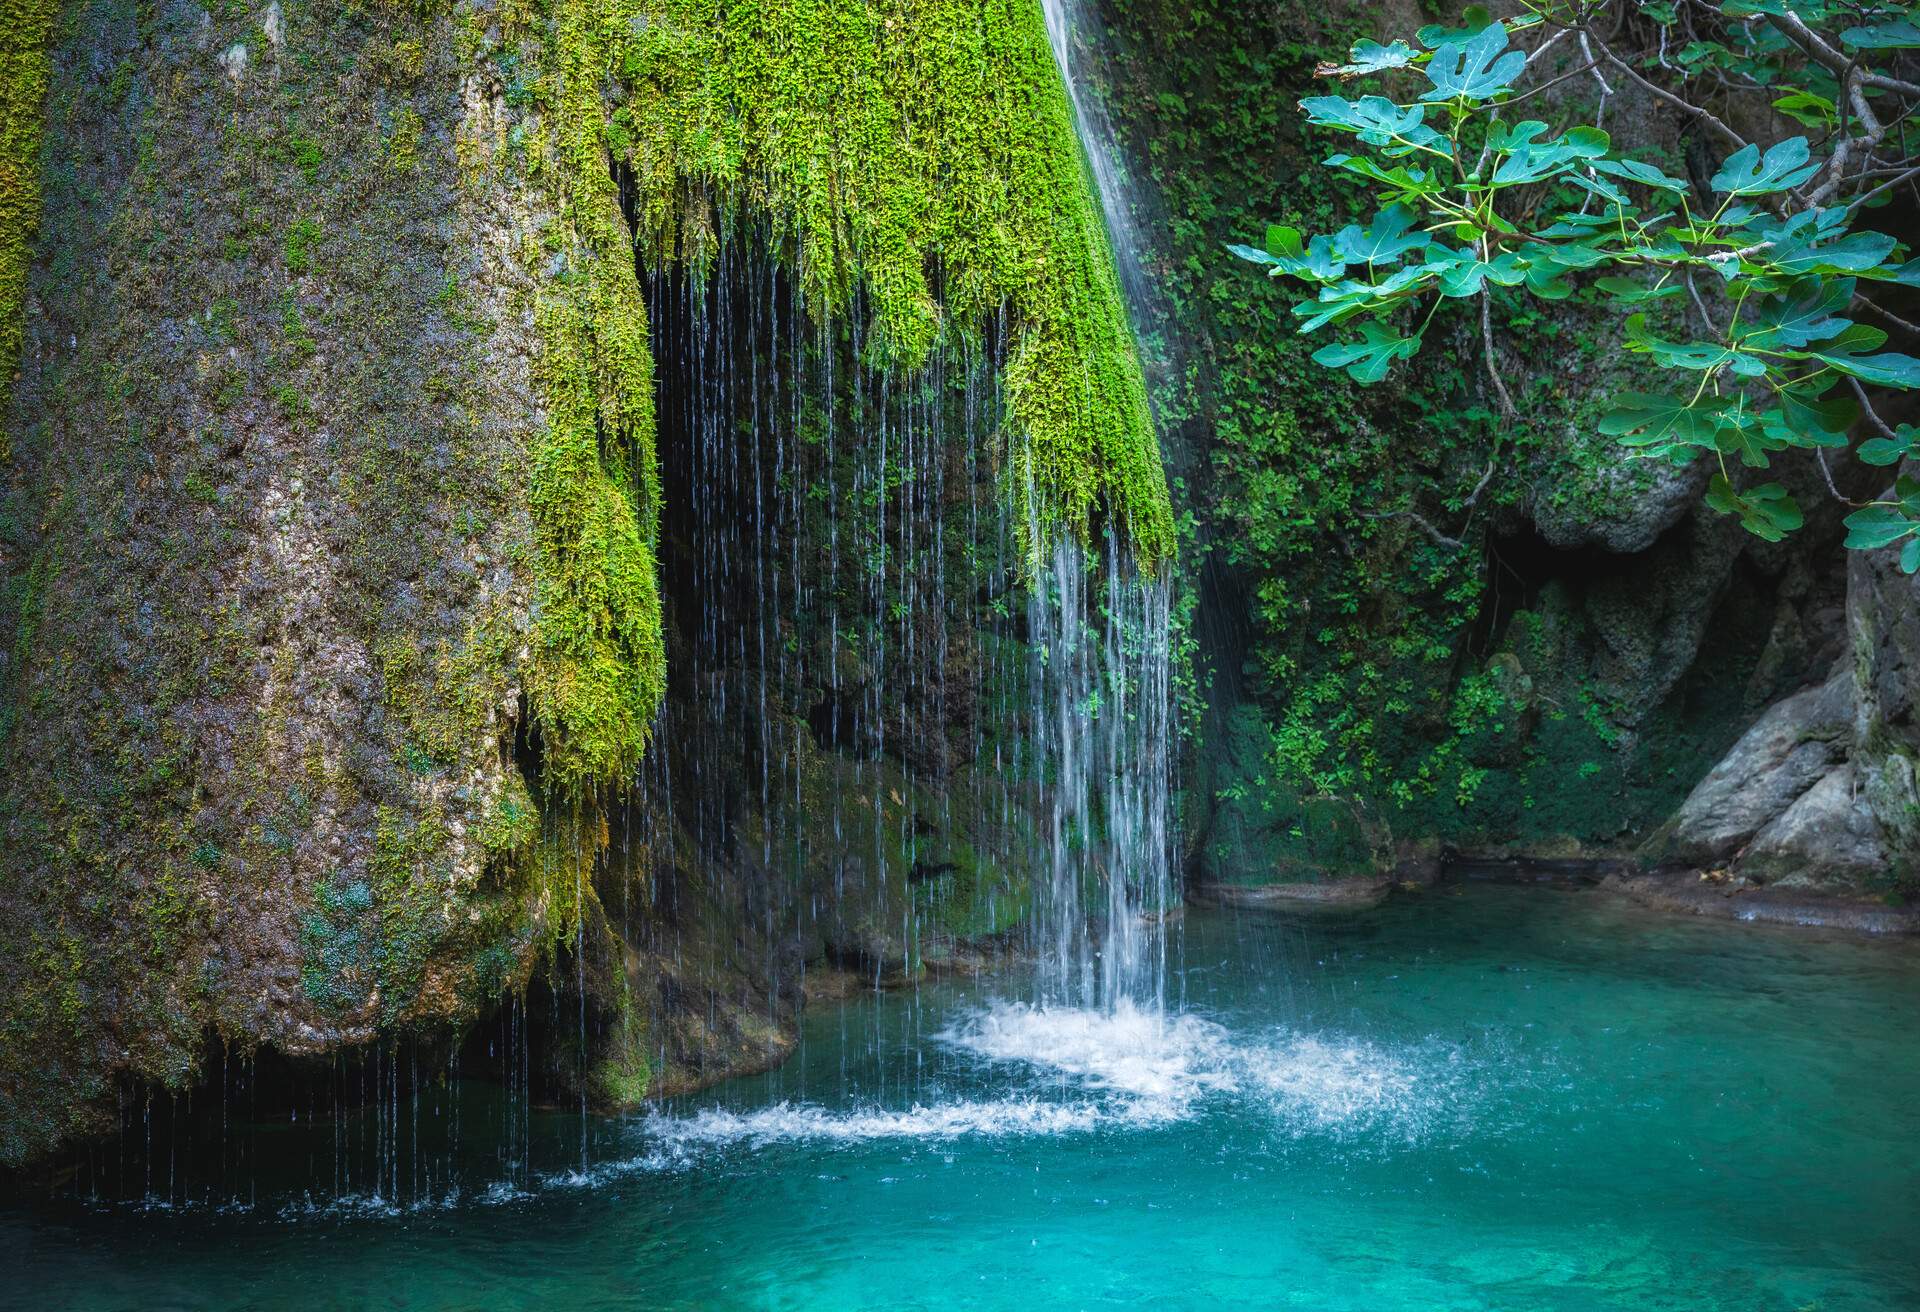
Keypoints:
pixel 334 624
pixel 1792 747
pixel 1820 792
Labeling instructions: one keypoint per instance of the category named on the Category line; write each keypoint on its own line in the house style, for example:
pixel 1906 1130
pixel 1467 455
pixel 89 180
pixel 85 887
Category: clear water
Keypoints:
pixel 1483 1098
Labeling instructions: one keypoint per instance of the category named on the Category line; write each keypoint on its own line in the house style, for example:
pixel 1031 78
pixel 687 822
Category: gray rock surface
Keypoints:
pixel 1828 836
pixel 1636 500
pixel 1787 751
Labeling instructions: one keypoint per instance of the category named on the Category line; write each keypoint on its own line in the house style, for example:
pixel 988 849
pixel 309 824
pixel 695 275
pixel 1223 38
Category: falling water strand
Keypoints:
pixel 1073 31
pixel 1101 679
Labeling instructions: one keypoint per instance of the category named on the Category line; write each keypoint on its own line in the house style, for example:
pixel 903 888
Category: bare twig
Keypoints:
pixel 1662 94
pixel 1507 409
pixel 1452 544
pixel 1796 30
pixel 1866 408
pixel 1706 320
pixel 1887 314
pixel 1606 91
pixel 1888 185
pixel 1493 106
pixel 1820 458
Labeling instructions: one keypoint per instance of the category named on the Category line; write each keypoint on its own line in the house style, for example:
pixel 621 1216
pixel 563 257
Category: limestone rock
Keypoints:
pixel 1789 749
pixel 1829 835
pixel 1621 505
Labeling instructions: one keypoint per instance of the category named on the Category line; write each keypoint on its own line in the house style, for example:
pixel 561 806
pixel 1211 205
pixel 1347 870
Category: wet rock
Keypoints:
pixel 1883 624
pixel 1622 505
pixel 1688 893
pixel 1353 893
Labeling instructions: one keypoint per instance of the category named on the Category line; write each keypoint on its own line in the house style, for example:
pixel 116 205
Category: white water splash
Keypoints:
pixel 1310 1084
pixel 1128 1069
pixel 1163 1062
pixel 787 1122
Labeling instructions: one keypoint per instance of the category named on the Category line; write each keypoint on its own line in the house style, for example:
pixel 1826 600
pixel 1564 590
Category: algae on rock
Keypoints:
pixel 333 609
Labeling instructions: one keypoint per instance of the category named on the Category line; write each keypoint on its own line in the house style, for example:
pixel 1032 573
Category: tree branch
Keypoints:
pixel 1662 94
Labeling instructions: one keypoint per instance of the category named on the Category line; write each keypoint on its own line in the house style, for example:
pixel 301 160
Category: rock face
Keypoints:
pixel 1820 792
pixel 1417 621
pixel 334 622
pixel 266 547
pixel 1792 747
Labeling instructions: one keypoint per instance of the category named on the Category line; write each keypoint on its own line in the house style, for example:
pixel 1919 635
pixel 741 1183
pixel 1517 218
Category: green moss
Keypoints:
pixel 923 153
pixel 25 29
pixel 921 156
pixel 403 142
pixel 302 237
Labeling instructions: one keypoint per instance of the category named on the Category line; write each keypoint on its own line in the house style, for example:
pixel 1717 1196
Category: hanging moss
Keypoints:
pixel 598 669
pixel 25 28
pixel 920 154
pixel 922 151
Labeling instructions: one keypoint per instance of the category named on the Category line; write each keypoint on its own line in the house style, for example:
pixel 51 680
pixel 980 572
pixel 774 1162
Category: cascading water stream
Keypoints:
pixel 1071 31
pixel 1102 689
pixel 1102 718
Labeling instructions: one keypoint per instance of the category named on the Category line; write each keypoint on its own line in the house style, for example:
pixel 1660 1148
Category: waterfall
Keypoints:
pixel 1073 32
pixel 1102 687
pixel 1102 719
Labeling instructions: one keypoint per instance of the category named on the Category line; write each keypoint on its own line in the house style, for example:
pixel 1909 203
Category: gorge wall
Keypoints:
pixel 1423 626
pixel 534 500
pixel 342 584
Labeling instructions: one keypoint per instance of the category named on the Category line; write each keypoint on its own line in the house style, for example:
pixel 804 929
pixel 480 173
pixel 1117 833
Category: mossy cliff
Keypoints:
pixel 334 618
pixel 25 30
pixel 1420 621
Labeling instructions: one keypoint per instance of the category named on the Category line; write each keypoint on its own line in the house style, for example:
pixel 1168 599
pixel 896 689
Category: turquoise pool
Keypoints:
pixel 1483 1097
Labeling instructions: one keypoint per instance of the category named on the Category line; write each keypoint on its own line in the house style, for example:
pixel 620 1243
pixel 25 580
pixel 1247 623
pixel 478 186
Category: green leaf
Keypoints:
pixel 1283 254
pixel 1526 160
pixel 1404 183
pixel 1910 556
pixel 1889 450
pixel 1804 313
pixel 1464 273
pixel 1817 420
pixel 1876 526
pixel 1625 291
pixel 1848 354
pixel 1341 301
pixel 1476 68
pixel 1898 35
pixel 1807 109
pixel 1857 252
pixel 1767 511
pixel 1634 171
pixel 1640 419
pixel 1473 19
pixel 1701 356
pixel 1377 121
pixel 1383 241
pixel 1747 174
pixel 1813 11
pixel 1369 360
pixel 1372 57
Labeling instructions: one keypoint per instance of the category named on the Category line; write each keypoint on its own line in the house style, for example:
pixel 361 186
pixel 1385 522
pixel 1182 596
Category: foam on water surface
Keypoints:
pixel 1077 1070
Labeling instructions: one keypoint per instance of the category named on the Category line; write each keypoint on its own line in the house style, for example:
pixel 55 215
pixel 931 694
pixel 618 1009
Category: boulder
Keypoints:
pixel 1795 744
pixel 1828 836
